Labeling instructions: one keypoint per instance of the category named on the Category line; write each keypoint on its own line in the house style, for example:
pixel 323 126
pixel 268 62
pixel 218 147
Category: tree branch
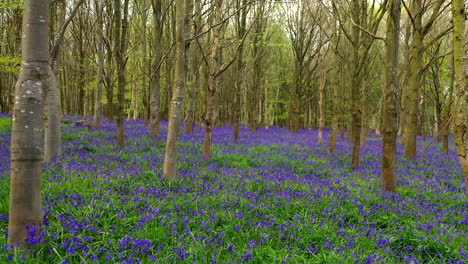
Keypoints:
pixel 59 40
pixel 367 32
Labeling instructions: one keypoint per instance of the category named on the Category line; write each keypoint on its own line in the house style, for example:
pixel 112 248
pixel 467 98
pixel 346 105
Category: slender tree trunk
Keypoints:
pixel 422 118
pixel 364 115
pixel 378 116
pixel 135 95
pixel 342 101
pixel 53 138
pixel 213 82
pixel 447 110
pixel 404 81
pixel 350 123
pixel 336 105
pixel 81 67
pixel 27 139
pixel 356 88
pixel 294 119
pixel 176 107
pixel 100 71
pixel 321 105
pixel 378 122
pixel 255 92
pixel 412 99
pixel 349 104
pixel 238 92
pixel 187 37
pixel 120 61
pixel 390 104
pixel 209 120
pixel 461 84
pixel 52 134
pixel 241 28
pixel 438 102
pixel 146 65
pixel 190 120
pixel 110 88
pixel 155 77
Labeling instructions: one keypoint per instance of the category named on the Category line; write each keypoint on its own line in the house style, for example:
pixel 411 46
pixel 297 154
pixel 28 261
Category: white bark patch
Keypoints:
pixel 26 126
pixel 28 92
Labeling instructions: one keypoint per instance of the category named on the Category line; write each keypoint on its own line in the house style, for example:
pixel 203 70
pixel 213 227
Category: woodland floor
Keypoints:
pixel 276 197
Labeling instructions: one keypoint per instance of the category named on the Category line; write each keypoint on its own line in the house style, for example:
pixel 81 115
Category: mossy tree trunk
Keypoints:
pixel 461 84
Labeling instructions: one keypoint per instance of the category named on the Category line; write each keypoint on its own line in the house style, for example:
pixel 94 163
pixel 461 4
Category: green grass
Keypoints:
pixel 5 124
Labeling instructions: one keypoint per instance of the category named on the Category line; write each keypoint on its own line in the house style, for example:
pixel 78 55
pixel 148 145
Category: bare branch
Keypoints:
pixel 367 32
pixel 58 41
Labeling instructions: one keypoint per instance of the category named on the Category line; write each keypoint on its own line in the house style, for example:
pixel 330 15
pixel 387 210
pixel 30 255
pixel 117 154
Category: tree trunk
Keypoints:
pixel 209 119
pixel 52 134
pixel 390 104
pixel 177 103
pixel 294 116
pixel 364 115
pixel 422 118
pixel 27 124
pixel 412 99
pixel 342 101
pixel 256 43
pixel 155 77
pixel 356 88
pixel 321 105
pixel 461 84
pixel 192 91
pixel 238 92
pixel 110 87
pixel 81 67
pixel 404 81
pixel 190 119
pixel 378 132
pixel 110 67
pixel 53 138
pixel 446 111
pixel 135 96
pixel 213 82
pixel 120 61
pixel 336 105
pixel 100 72
pixel 240 30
